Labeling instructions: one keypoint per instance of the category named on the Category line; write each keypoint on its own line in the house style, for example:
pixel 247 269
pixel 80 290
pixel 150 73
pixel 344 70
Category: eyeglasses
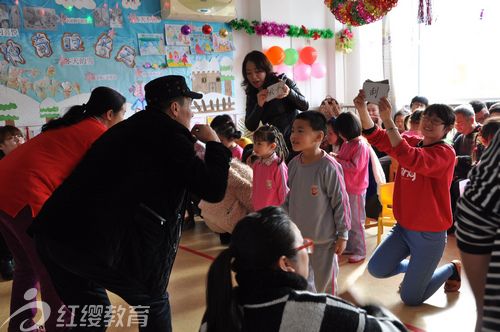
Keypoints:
pixel 308 245
pixel 434 121
pixel 12 137
pixel 484 117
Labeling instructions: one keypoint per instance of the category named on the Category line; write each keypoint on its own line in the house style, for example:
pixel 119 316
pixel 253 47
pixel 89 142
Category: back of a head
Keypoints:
pixel 102 99
pixel 225 127
pixel 494 110
pixel 316 120
pixel 348 125
pixel 490 127
pixel 415 118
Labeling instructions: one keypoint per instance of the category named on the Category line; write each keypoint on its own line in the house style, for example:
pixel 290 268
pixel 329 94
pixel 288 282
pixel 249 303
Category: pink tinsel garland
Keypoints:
pixel 271 29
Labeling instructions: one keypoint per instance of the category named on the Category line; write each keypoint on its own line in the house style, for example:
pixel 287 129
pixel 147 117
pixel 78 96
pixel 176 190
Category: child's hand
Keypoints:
pixel 340 245
pixel 359 101
pixel 261 97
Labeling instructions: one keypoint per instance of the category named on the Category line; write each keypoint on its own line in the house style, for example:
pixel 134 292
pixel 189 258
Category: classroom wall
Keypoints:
pixel 296 12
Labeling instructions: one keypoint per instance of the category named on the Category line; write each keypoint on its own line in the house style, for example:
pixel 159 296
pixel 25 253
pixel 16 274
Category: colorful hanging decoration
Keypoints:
pixel 360 12
pixel 427 19
pixel 223 33
pixel 344 41
pixel 185 30
pixel 207 29
pixel 271 29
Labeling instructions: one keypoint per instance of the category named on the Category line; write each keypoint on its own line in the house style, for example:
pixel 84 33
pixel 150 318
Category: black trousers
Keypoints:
pixel 81 284
pixel 5 253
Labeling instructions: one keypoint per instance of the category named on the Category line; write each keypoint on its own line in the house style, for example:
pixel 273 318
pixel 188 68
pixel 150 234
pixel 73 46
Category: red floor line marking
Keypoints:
pixel 411 328
pixel 197 253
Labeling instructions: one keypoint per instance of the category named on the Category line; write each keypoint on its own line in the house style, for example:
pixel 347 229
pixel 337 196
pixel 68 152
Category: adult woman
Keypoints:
pixel 280 112
pixel 33 171
pixel 10 138
pixel 271 263
pixel 421 202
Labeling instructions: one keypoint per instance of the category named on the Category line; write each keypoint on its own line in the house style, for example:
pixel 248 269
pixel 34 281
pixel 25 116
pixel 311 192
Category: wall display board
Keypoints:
pixel 53 51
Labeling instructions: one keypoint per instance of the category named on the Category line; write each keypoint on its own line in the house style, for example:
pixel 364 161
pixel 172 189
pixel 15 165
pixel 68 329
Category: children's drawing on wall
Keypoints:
pixel 151 44
pixel 101 17
pixel 222 44
pixel 115 18
pixel 201 43
pixel 104 46
pixel 15 17
pixel 214 78
pixel 178 56
pixel 12 52
pixel 174 36
pixel 38 18
pixel 49 109
pixel 4 17
pixel 138 91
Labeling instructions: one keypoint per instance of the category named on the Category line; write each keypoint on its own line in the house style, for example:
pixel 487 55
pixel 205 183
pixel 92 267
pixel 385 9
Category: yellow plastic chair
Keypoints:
pixel 393 169
pixel 386 217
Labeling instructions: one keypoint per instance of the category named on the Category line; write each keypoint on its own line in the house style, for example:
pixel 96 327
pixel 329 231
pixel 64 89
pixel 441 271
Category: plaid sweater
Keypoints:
pixel 276 301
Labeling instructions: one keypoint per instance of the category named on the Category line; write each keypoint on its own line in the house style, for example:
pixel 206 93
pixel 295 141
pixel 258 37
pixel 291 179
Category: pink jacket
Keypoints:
pixel 269 184
pixel 354 157
pixel 238 200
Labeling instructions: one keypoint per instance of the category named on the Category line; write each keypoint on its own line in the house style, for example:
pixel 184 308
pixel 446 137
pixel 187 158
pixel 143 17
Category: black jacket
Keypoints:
pixel 122 203
pixel 277 112
pixel 464 146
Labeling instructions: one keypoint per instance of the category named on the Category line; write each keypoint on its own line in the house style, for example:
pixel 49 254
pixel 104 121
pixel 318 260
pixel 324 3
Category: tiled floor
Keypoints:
pixel 442 312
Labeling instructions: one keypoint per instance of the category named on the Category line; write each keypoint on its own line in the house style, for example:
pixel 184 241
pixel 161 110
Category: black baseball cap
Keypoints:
pixel 168 87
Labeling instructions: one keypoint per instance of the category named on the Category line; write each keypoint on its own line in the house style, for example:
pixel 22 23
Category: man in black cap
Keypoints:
pixel 115 222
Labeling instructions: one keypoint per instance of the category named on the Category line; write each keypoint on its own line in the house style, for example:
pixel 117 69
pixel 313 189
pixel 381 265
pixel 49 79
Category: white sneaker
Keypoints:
pixel 356 259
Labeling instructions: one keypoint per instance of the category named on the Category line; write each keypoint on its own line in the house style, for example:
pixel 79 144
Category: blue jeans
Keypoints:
pixel 421 277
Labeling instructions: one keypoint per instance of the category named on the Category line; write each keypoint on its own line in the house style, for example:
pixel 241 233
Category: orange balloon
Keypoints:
pixel 276 55
pixel 308 55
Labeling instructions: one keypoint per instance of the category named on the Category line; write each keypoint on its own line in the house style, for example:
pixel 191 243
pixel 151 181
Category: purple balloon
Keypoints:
pixel 185 30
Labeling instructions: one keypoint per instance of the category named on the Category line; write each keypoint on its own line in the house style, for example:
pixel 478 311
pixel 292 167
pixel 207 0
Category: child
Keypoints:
pixel 318 202
pixel 269 171
pixel 354 157
pixel 421 204
pixel 399 120
pixel 332 138
pixel 228 134
pixel 414 120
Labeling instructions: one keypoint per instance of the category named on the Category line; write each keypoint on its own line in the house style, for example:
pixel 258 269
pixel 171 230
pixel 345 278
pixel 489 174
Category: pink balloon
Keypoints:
pixel 302 72
pixel 318 70
pixel 284 69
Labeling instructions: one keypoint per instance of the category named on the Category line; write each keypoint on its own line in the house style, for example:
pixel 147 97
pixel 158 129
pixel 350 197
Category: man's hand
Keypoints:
pixel 204 133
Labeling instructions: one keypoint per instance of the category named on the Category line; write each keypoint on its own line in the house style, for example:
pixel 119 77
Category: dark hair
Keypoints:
pixel 316 120
pixel 271 134
pixel 248 153
pixel 400 112
pixel 8 130
pixel 225 127
pixel 478 106
pixel 490 128
pixel 495 108
pixel 257 242
pixel 331 124
pixel 420 99
pixel 348 125
pixel 442 111
pixel 102 99
pixel 263 63
pixel 414 118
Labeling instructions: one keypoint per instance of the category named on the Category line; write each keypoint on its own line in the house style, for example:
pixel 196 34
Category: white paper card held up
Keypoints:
pixel 376 90
pixel 275 90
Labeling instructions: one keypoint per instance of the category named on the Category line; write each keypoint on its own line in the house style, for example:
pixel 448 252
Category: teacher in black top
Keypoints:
pixel 280 112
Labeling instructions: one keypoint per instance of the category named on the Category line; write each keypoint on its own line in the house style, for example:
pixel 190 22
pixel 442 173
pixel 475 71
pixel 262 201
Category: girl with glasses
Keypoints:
pixel 421 202
pixel 270 259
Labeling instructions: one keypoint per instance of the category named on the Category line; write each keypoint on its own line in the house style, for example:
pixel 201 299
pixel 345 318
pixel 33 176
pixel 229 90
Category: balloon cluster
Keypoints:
pixel 289 57
pixel 360 12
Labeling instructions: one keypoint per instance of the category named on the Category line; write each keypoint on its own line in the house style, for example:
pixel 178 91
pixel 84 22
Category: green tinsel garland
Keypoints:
pixel 293 31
